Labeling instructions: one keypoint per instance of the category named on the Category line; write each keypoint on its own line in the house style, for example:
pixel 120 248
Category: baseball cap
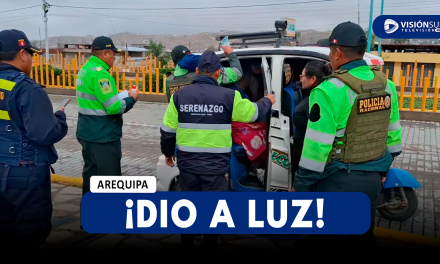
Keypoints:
pixel 209 62
pixel 322 43
pixel 347 34
pixel 178 53
pixel 15 40
pixel 103 43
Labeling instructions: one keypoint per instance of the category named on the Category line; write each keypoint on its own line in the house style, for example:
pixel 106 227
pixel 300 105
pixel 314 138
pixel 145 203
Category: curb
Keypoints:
pixel 404 237
pixel 67 180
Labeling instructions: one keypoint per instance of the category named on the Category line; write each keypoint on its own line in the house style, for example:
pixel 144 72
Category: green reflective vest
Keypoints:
pixel 329 122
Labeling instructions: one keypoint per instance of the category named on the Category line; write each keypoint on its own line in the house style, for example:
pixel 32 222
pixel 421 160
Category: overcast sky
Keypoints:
pixel 136 15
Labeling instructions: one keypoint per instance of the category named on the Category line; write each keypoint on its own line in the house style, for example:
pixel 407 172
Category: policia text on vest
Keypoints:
pixel 28 131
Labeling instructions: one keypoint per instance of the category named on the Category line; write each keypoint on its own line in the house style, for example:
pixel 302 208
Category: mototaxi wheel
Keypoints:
pixel 398 212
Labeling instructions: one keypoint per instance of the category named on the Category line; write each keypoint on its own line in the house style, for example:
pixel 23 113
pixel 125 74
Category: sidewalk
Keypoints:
pixel 140 150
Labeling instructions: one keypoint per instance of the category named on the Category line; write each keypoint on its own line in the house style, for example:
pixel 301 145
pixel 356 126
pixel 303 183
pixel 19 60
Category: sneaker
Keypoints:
pixel 260 175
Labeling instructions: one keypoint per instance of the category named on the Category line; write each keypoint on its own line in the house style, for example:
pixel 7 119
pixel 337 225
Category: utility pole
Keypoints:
pixel 371 23
pixel 46 9
pixel 380 40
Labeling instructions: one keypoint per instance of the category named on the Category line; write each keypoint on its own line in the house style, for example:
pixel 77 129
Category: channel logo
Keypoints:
pixel 390 26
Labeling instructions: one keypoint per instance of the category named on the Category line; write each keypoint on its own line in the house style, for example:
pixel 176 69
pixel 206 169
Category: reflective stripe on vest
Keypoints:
pixel 106 104
pixel 8 86
pixel 206 138
pixel 319 136
pixel 167 129
pixel 394 148
pixel 312 164
pixel 394 126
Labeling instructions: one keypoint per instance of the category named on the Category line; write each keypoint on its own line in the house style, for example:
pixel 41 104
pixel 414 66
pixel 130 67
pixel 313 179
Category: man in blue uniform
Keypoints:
pixel 28 130
pixel 198 122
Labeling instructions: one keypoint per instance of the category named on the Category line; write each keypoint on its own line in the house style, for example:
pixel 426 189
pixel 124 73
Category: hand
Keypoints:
pixel 170 161
pixel 383 179
pixel 292 190
pixel 227 50
pixel 271 97
pixel 62 109
pixel 134 94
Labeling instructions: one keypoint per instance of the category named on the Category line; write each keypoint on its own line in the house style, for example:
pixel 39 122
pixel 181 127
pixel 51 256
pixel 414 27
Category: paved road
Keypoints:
pixel 140 147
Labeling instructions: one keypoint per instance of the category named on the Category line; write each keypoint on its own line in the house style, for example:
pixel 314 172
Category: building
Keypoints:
pixel 70 50
pixel 398 57
pixel 134 52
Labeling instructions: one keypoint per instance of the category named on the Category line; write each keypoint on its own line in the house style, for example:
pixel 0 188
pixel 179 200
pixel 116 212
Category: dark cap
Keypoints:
pixel 209 62
pixel 322 43
pixel 104 43
pixel 348 34
pixel 15 40
pixel 178 53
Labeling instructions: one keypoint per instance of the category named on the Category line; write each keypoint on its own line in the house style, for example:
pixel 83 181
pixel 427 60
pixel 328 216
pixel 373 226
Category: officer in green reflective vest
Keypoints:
pixel 100 110
pixel 353 133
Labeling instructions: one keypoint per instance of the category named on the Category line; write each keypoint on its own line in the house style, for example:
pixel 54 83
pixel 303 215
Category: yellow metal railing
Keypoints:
pixel 61 73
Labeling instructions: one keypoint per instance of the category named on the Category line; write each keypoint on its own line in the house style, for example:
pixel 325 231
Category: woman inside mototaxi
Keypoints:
pixel 313 74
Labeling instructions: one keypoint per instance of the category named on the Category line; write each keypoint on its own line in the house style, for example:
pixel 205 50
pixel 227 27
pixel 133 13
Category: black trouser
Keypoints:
pixel 355 181
pixel 25 207
pixel 100 159
pixel 203 183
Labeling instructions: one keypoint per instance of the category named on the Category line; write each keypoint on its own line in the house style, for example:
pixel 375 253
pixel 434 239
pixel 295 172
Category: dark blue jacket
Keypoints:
pixel 205 90
pixel 28 126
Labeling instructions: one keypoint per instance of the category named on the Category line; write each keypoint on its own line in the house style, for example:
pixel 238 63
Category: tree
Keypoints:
pixel 374 39
pixel 157 50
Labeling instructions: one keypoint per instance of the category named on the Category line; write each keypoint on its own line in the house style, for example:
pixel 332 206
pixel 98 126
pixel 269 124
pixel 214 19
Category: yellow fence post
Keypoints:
pixel 75 65
pixel 32 71
pixel 157 80
pixel 413 91
pixel 143 80
pixel 434 106
pixel 150 77
pixel 422 77
pixel 408 68
pixel 155 62
pixel 159 65
pixel 394 79
pixel 425 90
pixel 36 72
pixel 123 81
pixel 58 81
pixel 117 77
pixel 53 77
pixel 164 83
pixel 137 81
pixel 402 92
pixel 130 84
pixel 387 72
pixel 51 61
pixel 41 72
pixel 68 76
pixel 63 85
pixel 129 63
pixel 47 74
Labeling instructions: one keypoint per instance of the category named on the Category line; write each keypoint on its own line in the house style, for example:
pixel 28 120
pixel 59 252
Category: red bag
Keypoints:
pixel 252 136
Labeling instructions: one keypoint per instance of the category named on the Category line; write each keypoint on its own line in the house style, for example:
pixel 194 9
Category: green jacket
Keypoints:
pixel 228 75
pixel 99 107
pixel 335 100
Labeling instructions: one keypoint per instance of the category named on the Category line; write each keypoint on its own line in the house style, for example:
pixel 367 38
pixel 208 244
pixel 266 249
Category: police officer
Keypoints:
pixel 28 130
pixel 353 132
pixel 99 128
pixel 186 63
pixel 198 122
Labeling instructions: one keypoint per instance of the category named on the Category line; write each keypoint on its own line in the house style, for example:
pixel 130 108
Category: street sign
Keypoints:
pixel 290 31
